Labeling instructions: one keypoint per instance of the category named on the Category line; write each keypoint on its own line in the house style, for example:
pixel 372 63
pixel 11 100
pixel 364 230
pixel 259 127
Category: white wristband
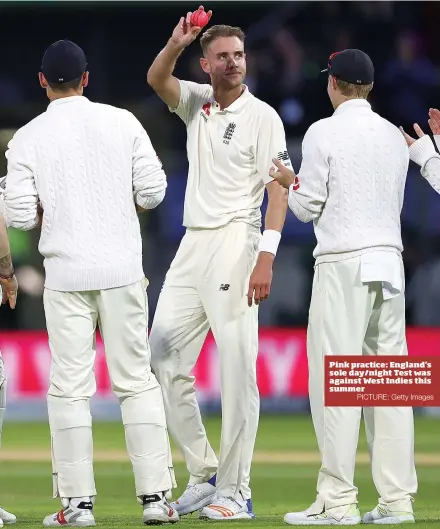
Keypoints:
pixel 269 241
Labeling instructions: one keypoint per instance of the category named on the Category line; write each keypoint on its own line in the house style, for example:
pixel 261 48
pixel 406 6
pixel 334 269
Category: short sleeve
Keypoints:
pixel 192 98
pixel 271 144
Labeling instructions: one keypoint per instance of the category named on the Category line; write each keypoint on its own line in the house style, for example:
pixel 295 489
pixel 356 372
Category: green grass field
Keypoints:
pixel 283 478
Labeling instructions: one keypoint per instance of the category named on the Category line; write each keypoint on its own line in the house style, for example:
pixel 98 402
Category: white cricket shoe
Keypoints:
pixel 81 516
pixel 347 515
pixel 157 510
pixel 227 508
pixel 382 515
pixel 7 517
pixel 194 498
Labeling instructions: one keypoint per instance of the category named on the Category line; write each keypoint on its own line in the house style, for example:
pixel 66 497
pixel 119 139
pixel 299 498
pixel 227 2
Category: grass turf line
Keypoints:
pixel 26 488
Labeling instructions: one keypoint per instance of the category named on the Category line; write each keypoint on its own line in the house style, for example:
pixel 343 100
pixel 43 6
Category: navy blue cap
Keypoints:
pixel 352 66
pixel 63 61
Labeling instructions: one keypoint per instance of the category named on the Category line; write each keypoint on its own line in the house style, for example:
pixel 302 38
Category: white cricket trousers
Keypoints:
pixel 206 287
pixel 122 316
pixel 348 317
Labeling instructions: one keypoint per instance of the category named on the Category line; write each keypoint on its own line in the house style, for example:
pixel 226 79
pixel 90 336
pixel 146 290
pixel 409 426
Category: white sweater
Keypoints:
pixel 351 183
pixel 423 153
pixel 88 165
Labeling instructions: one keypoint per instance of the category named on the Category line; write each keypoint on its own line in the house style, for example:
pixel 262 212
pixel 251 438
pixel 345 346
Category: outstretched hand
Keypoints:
pixel 434 125
pixel 409 139
pixel 185 33
pixel 434 121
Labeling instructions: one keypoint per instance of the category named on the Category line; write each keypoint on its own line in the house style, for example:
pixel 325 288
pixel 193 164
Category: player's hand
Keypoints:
pixel 10 291
pixel 434 121
pixel 408 138
pixel 261 279
pixel 284 176
pixel 185 33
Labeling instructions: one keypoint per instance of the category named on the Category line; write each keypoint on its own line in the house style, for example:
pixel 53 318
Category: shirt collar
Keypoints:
pixel 65 100
pixel 239 103
pixel 352 105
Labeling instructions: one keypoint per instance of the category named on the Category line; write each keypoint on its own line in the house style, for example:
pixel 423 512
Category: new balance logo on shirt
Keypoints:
pixel 224 286
pixel 284 157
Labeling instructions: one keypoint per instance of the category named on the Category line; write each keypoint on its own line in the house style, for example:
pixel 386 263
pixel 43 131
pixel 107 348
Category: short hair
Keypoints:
pixel 221 30
pixel 66 87
pixel 354 90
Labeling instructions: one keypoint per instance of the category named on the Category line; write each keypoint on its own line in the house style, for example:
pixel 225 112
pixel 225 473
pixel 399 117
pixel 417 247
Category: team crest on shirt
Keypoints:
pixel 206 110
pixel 227 136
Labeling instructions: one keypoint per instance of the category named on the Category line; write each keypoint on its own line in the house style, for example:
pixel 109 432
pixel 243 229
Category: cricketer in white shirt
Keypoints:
pixel 88 166
pixel 351 185
pixel 221 264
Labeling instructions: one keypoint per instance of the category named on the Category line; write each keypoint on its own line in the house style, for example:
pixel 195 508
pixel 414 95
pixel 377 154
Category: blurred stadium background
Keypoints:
pixel 287 45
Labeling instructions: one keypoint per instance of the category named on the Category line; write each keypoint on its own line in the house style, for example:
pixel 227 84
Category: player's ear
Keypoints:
pixel 205 65
pixel 85 79
pixel 42 79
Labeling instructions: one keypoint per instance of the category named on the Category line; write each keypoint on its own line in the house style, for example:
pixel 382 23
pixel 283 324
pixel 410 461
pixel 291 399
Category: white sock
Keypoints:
pixel 74 502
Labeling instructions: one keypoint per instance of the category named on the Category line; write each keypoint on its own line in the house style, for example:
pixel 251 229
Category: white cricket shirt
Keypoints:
pixel 87 164
pixel 230 154
pixel 351 182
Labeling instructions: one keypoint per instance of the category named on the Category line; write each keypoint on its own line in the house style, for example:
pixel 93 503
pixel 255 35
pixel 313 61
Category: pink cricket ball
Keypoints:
pixel 199 18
